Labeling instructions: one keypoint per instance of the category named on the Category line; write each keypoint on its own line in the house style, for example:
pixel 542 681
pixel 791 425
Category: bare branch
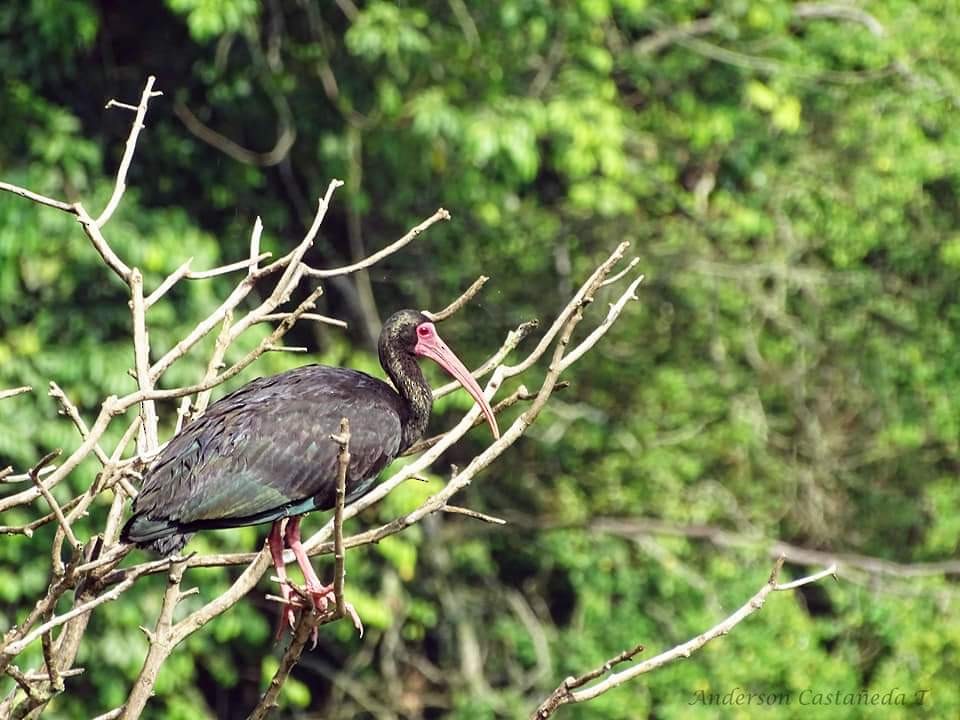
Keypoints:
pixel 439 215
pixel 54 505
pixel 455 306
pixel 121 184
pixel 324 319
pixel 168 282
pixel 569 691
pixel 38 198
pixel 457 510
pixel 12 392
pixel 840 11
pixel 632 527
pixel 306 626
pixel 161 644
pixel 70 410
pixel 92 230
pixel 148 440
pixel 343 463
pixel 248 264
pixel 287 136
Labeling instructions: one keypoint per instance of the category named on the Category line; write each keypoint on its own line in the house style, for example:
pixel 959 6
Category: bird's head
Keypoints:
pixel 413 332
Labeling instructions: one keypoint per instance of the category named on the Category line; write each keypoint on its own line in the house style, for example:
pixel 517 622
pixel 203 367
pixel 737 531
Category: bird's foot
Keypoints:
pixel 288 609
pixel 323 598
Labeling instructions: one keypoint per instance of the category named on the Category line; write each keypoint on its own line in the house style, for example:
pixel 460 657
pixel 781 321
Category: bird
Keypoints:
pixel 264 453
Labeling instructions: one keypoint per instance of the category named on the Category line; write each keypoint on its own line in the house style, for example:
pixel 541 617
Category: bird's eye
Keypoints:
pixel 423 331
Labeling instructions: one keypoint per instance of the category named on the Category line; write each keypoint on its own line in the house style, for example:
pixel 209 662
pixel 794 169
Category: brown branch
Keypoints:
pixel 285 139
pixel 339 554
pixel 161 644
pixel 306 627
pixel 632 527
pixel 31 526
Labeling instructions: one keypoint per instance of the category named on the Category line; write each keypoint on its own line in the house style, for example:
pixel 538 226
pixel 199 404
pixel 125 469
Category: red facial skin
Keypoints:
pixel 430 345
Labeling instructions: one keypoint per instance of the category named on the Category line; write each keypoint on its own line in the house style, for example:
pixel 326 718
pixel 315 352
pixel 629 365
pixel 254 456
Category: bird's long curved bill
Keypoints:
pixel 436 349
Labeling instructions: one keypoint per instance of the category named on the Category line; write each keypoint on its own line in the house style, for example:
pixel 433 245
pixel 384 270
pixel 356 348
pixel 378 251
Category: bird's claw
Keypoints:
pixel 354 617
pixel 317 599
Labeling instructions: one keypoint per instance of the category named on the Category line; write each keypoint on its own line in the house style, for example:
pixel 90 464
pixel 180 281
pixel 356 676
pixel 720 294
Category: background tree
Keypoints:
pixel 786 172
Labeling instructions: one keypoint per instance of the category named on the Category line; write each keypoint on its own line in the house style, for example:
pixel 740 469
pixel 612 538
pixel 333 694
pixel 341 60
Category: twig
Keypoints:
pixel 70 410
pixel 273 317
pixel 456 509
pixel 100 243
pixel 161 644
pixel 632 527
pixel 168 282
pixel 285 139
pixel 31 526
pixel 455 306
pixel 306 626
pixel 439 215
pixel 38 198
pixel 148 439
pixel 12 392
pixel 343 463
pixel 54 505
pixel 569 691
pixel 17 647
pixel 121 184
pixel 521 393
pixel 7 476
pixel 249 263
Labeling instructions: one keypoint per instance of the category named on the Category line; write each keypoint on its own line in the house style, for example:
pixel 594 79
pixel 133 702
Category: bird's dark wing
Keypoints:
pixel 265 451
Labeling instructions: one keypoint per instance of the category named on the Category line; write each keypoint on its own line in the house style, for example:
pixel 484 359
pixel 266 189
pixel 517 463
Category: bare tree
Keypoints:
pixel 89 567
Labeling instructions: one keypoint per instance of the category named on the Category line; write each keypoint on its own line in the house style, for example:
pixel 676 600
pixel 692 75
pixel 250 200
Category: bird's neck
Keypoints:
pixel 408 379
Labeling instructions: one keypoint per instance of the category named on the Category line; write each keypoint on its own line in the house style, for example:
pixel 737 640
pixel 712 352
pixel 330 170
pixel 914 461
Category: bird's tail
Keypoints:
pixel 161 536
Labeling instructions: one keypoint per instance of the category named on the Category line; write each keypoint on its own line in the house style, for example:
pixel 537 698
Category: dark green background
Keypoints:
pixel 790 183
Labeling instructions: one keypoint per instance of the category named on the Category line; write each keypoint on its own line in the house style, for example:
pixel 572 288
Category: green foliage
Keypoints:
pixel 789 184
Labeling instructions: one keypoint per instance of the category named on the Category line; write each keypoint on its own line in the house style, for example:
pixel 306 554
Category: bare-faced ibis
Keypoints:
pixel 264 453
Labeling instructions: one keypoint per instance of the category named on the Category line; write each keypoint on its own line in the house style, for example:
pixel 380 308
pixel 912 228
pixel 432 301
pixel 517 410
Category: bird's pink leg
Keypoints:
pixel 322 594
pixel 276 551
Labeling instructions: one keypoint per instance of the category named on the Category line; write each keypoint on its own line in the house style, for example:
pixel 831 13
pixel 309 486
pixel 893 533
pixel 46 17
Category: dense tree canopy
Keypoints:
pixel 787 174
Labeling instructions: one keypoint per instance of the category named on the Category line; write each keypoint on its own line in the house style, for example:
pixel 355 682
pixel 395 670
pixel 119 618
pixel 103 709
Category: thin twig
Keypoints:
pixel 306 626
pixel 38 198
pixel 439 215
pixel 70 410
pixel 121 184
pixel 569 691
pixel 224 269
pixel 343 463
pixel 326 320
pixel 455 306
pixel 456 509
pixel 54 505
pixel 12 392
